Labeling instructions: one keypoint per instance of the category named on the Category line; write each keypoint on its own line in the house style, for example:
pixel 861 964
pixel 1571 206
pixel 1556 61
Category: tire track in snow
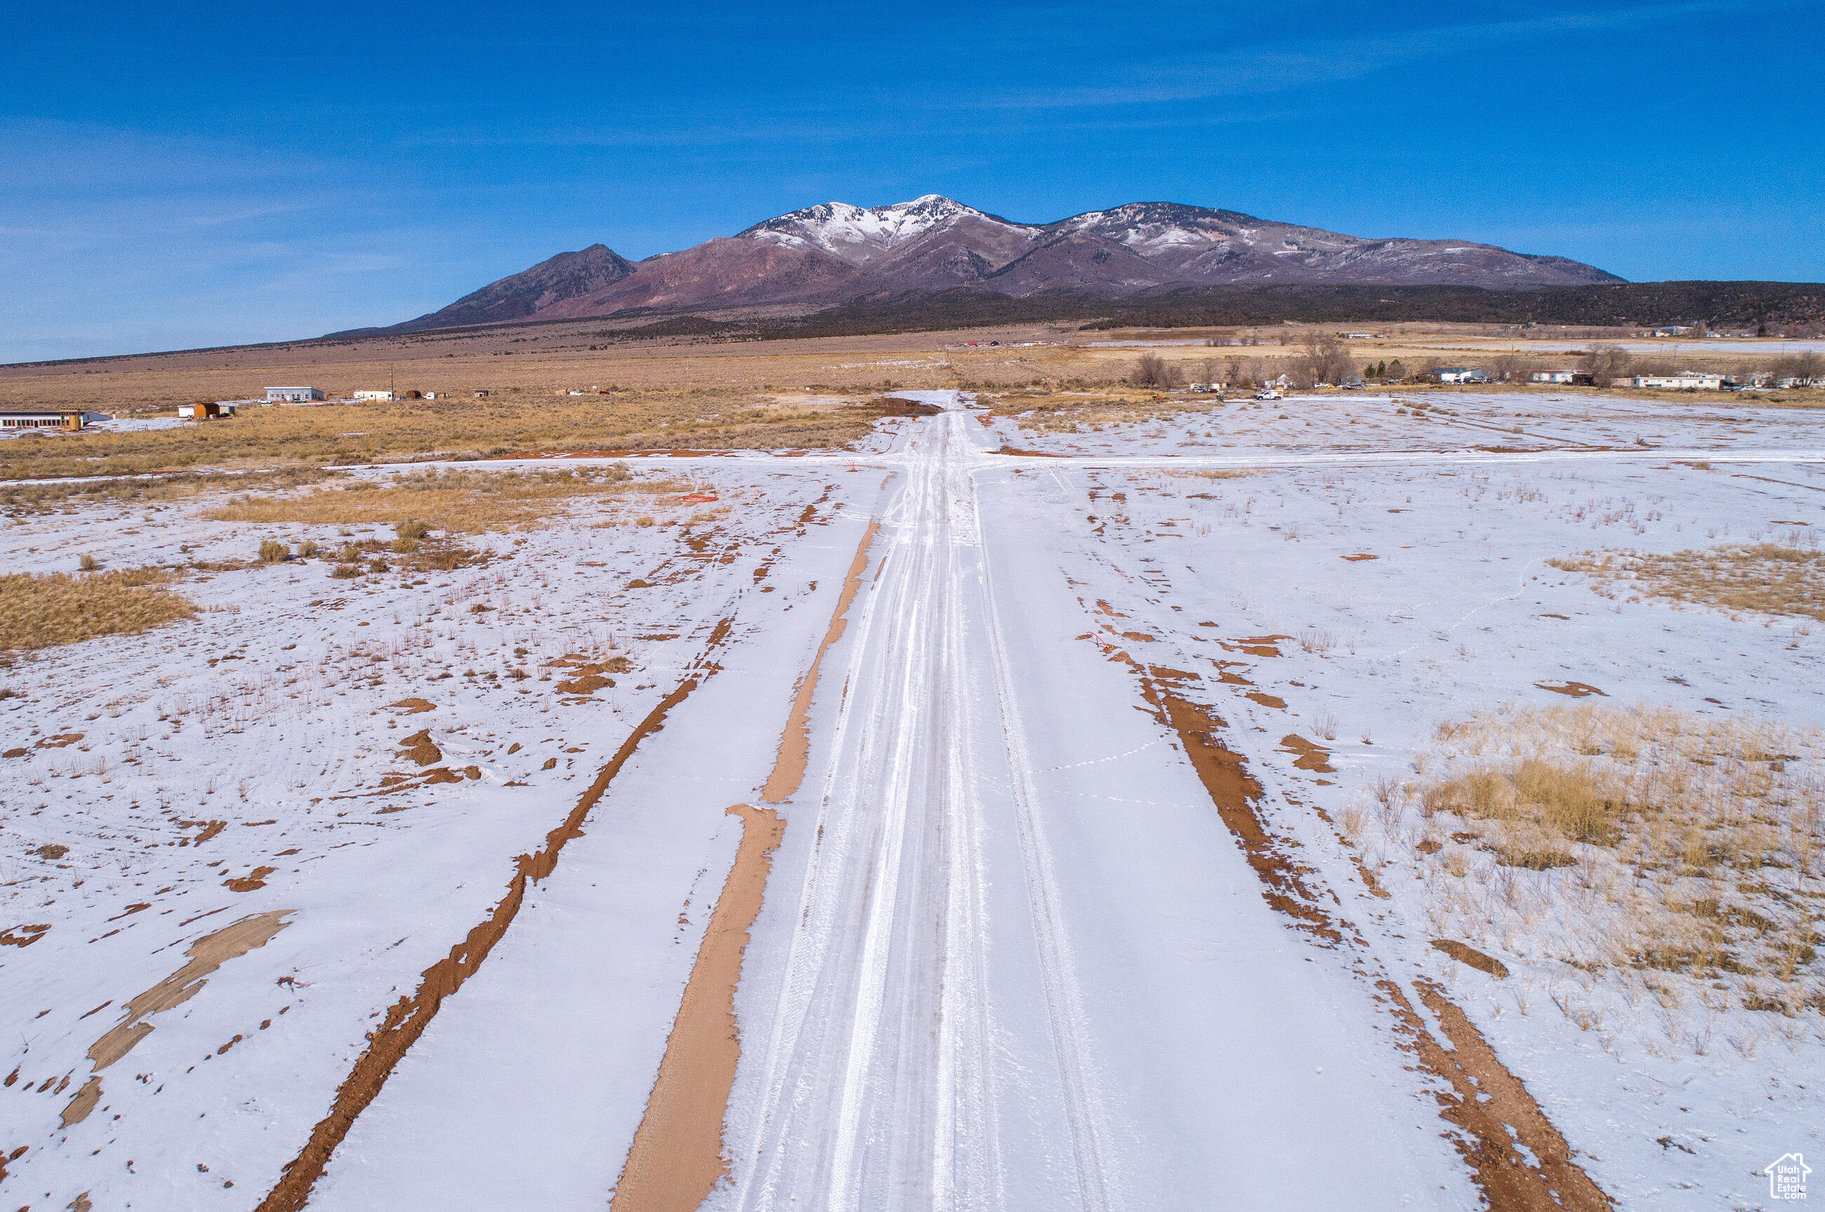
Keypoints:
pixel 877 1088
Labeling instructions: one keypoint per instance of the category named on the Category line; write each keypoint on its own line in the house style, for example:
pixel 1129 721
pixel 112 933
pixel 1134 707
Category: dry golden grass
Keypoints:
pixel 1764 578
pixel 1211 473
pixel 39 611
pixel 70 496
pixel 1663 843
pixel 463 502
pixel 316 435
pixel 1040 410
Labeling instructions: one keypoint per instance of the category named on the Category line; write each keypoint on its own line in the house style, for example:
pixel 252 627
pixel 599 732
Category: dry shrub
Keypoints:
pixel 464 502
pixel 19 500
pixel 1211 473
pixel 1662 841
pixel 39 611
pixel 1765 578
pixel 1056 412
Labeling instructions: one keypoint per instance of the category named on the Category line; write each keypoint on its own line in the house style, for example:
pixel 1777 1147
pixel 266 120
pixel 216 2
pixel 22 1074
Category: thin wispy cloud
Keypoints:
pixel 1191 75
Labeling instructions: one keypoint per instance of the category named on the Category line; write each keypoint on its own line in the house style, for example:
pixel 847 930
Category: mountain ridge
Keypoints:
pixel 836 252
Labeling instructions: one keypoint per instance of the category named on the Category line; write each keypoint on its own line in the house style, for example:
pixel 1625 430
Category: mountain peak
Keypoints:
pixel 836 251
pixel 857 234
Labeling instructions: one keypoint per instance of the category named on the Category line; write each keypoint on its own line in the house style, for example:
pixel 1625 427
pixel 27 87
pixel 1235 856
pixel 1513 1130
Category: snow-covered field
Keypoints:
pixel 1060 916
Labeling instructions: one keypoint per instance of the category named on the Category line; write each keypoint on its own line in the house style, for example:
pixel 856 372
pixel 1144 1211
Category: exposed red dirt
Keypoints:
pixel 249 882
pixel 1464 953
pixel 795 741
pixel 1256 645
pixel 1236 794
pixel 677 1155
pixel 1576 690
pixel 420 748
pixel 407 1018
pixel 1500 1130
pixel 1311 755
pixel 1496 1116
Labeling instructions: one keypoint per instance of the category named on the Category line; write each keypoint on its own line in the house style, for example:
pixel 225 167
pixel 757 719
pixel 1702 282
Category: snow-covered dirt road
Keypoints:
pixel 933 850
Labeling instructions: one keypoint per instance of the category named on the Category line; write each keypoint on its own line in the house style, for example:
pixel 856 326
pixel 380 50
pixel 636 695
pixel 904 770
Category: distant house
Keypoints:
pixel 65 418
pixel 370 396
pixel 1553 376
pixel 292 395
pixel 1685 380
pixel 206 410
pixel 1459 374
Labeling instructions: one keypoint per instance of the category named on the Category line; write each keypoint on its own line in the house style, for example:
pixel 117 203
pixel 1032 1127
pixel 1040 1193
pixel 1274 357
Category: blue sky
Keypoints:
pixel 175 175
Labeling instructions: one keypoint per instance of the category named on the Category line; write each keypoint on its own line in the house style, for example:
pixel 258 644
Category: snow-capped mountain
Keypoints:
pixel 835 251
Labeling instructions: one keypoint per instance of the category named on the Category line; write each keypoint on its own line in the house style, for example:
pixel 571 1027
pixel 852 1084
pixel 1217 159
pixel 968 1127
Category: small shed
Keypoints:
pixel 206 410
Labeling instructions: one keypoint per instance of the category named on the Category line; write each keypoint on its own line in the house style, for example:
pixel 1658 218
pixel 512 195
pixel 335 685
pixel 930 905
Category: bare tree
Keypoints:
pixel 1515 367
pixel 1151 370
pixel 1804 369
pixel 1606 363
pixel 1323 358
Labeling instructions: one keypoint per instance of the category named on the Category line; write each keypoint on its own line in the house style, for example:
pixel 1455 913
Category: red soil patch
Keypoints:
pixel 1464 953
pixel 677 1155
pixel 1361 555
pixel 795 741
pixel 420 748
pixel 24 936
pixel 1499 1126
pixel 1311 755
pixel 249 882
pixel 407 1018
pixel 1495 1114
pixel 1576 690
pixel 1267 700
pixel 413 706
pixel 1236 794
pixel 587 677
pixel 1257 645
pixel 209 829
